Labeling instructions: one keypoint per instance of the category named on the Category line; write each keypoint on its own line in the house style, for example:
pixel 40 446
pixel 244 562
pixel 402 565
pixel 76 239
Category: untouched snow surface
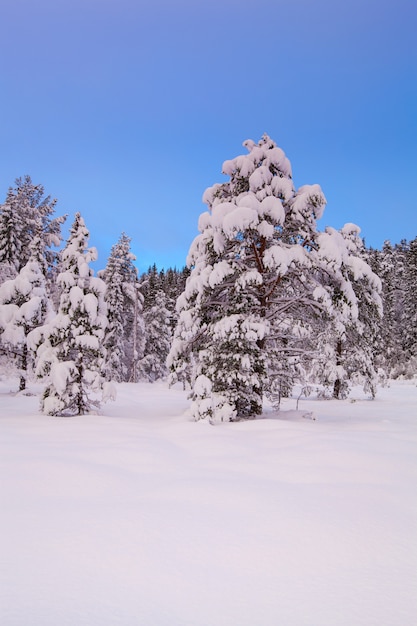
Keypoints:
pixel 139 516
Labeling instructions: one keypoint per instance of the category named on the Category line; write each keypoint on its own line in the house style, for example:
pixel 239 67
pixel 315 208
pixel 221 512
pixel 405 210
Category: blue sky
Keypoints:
pixel 126 109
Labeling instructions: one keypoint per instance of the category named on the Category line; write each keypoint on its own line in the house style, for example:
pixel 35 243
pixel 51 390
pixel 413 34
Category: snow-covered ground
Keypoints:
pixel 139 516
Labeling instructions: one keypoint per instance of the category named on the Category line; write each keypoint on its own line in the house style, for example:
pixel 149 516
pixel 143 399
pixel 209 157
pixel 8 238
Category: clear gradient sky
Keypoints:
pixel 126 109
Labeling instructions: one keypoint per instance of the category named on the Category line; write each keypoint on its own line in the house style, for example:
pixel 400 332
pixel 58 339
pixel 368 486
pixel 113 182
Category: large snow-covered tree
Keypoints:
pixel 241 265
pixel 260 275
pixel 27 213
pixel 70 347
pixel 124 337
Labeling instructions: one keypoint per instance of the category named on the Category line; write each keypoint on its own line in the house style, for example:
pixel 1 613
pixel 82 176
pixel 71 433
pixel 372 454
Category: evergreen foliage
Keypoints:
pixel 266 301
pixel 24 306
pixel 396 266
pixel 70 347
pixel 409 312
pixel 350 337
pixel 27 213
pixel 124 334
pixel 158 336
pixel 261 276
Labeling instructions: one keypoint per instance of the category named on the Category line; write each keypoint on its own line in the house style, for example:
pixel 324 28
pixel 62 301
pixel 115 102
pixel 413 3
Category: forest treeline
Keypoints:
pixel 266 301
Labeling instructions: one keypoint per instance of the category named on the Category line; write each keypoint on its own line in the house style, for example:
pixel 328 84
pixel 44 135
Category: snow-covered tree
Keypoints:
pixel 409 312
pixel 260 277
pixel 231 371
pixel 171 282
pixel 150 283
pixel 124 337
pixel 10 246
pixel 135 329
pixel 70 347
pixel 27 213
pixel 247 276
pixel 348 337
pixel 156 317
pixel 24 306
pixel 390 264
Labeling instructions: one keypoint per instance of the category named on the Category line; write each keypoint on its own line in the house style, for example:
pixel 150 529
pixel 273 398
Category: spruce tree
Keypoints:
pixel 150 283
pixel 124 334
pixel 10 242
pixel 70 348
pixel 349 335
pixel 24 306
pixel 156 317
pixel 392 272
pixel 409 312
pixel 27 213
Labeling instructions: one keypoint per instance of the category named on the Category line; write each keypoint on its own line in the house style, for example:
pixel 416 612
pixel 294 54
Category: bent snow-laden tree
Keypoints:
pixel 259 279
pixel 70 348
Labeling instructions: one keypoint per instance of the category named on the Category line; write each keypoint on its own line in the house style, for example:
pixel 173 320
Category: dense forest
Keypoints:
pixel 266 301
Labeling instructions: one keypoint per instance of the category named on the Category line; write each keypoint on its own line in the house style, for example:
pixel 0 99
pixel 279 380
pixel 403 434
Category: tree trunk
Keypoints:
pixel 79 401
pixel 338 383
pixel 23 367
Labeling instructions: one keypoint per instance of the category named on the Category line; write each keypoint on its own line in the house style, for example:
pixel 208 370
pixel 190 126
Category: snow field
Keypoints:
pixel 140 516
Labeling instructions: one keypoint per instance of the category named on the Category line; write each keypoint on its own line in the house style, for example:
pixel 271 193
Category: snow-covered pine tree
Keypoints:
pixel 150 284
pixel 124 337
pixel 409 312
pixel 392 261
pixel 10 246
pixel 260 276
pixel 70 348
pixel 24 306
pixel 27 213
pixel 349 337
pixel 250 279
pixel 231 369
pixel 158 337
pixel 171 282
